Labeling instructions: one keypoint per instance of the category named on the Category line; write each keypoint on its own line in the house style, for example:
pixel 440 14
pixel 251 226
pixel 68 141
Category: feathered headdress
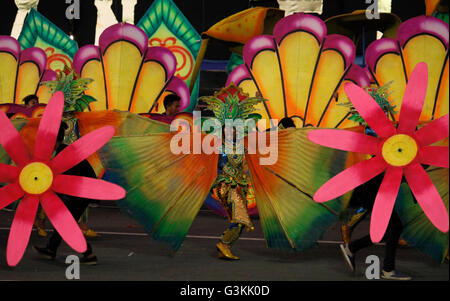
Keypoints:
pixel 381 96
pixel 73 88
pixel 232 103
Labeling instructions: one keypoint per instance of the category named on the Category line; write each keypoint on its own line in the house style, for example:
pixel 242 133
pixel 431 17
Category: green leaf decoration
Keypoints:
pixel 255 116
pixel 83 102
pixel 247 106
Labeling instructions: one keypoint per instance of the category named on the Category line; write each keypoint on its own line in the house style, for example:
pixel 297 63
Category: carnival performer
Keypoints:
pixel 232 188
pixel 364 197
pixel 232 182
pixel 77 206
pixel 368 191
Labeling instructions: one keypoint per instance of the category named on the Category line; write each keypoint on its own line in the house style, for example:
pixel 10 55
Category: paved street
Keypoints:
pixel 125 252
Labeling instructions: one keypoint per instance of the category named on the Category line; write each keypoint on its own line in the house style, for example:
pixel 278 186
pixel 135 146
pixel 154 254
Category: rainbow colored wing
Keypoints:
pixel 164 191
pixel 125 123
pixel 419 39
pixel 284 191
pixel 298 70
pixel 418 231
pixel 128 75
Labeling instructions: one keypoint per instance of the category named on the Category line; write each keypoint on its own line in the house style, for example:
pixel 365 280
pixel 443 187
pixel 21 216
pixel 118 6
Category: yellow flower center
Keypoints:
pixel 399 150
pixel 36 178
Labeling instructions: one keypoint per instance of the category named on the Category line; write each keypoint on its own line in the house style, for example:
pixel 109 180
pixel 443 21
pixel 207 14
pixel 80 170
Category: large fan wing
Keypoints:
pixel 164 191
pixel 284 190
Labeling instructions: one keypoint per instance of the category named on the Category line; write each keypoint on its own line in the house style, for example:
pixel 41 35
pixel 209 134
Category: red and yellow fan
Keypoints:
pixel 420 39
pixel 128 75
pixel 22 72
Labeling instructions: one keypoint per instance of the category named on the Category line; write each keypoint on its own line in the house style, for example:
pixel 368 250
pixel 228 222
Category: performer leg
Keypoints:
pixel 39 223
pixel 232 234
pixel 392 233
pixel 392 236
pixel 83 221
pixel 349 226
pixel 76 206
pixel 360 244
pixel 229 237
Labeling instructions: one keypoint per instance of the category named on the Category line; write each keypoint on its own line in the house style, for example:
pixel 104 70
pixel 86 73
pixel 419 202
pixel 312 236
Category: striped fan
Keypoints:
pixel 300 70
pixel 418 231
pixel 420 39
pixel 128 75
pixel 22 71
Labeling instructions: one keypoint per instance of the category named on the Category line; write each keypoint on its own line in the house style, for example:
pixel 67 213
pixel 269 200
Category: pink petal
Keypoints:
pixel 49 127
pixel 81 149
pixel 434 155
pixel 88 188
pixel 349 179
pixel 433 132
pixel 413 99
pixel 9 194
pixel 19 235
pixel 63 221
pixel 384 203
pixel 345 140
pixel 8 173
pixel 427 196
pixel 12 142
pixel 370 111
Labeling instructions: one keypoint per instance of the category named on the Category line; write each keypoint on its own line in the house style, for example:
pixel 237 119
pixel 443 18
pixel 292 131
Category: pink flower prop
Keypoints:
pixel 37 178
pixel 399 151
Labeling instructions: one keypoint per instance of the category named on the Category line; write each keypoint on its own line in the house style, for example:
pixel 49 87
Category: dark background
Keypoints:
pixel 201 13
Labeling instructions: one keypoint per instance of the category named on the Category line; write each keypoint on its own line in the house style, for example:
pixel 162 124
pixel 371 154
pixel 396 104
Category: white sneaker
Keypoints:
pixel 348 256
pixel 394 275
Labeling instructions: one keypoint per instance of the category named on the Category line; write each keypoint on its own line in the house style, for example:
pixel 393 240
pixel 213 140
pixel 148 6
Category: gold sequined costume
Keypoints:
pixel 232 188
